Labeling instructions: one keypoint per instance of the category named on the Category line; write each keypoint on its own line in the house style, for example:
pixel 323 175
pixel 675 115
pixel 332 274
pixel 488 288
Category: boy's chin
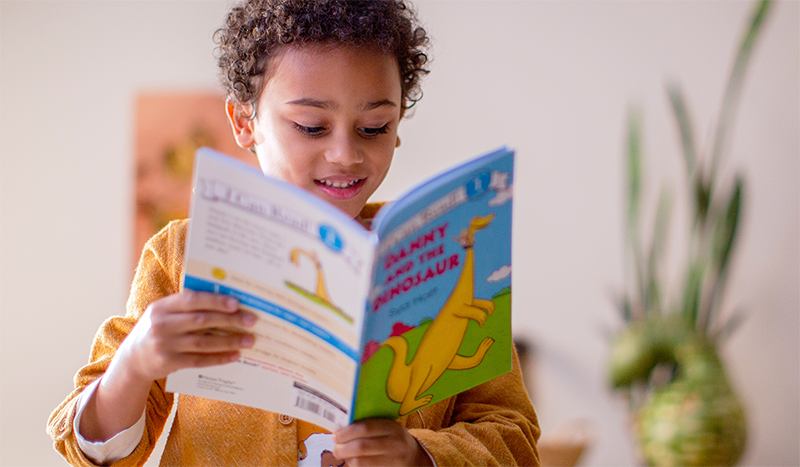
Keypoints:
pixel 350 207
pixel 351 200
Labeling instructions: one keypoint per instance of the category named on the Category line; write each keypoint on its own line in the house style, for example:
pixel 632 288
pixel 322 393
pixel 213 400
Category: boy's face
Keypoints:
pixel 326 121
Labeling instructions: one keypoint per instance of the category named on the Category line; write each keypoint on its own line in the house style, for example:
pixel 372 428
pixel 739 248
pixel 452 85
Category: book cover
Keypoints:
pixel 438 319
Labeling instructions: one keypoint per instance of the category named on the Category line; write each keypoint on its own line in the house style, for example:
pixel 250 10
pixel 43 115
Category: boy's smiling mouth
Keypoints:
pixel 341 189
pixel 339 184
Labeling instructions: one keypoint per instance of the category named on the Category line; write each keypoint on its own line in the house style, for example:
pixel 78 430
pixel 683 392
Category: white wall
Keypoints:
pixel 552 79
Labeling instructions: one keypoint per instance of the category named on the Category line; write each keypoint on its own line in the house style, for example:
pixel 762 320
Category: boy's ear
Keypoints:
pixel 241 124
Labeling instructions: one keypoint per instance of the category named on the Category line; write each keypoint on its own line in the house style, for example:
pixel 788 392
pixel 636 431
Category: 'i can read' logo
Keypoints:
pixel 331 238
pixel 478 185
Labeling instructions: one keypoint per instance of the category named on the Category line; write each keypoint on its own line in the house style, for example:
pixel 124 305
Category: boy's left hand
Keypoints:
pixel 378 442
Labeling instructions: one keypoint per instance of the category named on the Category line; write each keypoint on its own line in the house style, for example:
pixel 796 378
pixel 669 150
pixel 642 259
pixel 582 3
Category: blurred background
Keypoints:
pixel 552 79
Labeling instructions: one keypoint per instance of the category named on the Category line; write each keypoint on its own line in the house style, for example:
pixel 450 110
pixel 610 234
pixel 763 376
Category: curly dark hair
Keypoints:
pixel 256 28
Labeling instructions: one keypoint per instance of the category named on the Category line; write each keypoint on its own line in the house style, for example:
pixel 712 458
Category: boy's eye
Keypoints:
pixel 372 132
pixel 310 130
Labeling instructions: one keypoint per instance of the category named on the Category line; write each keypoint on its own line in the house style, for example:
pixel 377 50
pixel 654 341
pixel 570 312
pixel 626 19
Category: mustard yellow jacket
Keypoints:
pixel 491 424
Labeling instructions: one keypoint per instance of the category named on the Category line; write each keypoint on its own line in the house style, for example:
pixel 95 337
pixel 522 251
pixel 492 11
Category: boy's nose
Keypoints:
pixel 344 151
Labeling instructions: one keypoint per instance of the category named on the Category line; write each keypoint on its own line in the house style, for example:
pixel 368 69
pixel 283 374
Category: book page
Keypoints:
pixel 303 267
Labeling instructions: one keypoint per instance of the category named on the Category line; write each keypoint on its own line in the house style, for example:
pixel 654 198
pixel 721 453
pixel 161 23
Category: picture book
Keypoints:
pixel 354 323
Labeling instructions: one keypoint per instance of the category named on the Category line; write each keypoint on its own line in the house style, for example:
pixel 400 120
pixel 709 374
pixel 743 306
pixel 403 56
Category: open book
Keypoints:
pixel 354 323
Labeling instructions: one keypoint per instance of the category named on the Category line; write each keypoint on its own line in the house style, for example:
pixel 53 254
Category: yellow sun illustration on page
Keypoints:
pixel 219 273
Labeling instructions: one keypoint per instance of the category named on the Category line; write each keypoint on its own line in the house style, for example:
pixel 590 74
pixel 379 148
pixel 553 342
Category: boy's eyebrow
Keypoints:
pixel 380 103
pixel 309 102
pixel 320 104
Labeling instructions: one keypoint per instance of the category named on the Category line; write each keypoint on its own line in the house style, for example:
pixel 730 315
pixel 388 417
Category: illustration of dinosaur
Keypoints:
pixel 320 295
pixel 321 292
pixel 437 350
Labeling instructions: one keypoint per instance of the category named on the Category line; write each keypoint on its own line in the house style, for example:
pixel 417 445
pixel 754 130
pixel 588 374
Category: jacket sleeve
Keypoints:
pixel 157 275
pixel 491 424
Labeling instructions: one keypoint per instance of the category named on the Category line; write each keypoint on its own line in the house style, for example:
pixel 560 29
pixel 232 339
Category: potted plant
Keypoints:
pixel 666 358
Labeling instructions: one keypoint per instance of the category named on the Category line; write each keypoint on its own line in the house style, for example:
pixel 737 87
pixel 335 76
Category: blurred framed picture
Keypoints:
pixel 169 127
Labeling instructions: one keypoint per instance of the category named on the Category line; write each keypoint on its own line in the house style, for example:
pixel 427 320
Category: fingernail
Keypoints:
pixel 249 319
pixel 232 303
pixel 248 341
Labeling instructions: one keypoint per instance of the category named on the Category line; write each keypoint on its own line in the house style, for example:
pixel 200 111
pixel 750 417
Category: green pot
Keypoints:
pixel 691 424
pixel 694 419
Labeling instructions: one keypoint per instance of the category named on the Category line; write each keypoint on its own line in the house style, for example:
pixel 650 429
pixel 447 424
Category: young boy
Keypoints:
pixel 317 90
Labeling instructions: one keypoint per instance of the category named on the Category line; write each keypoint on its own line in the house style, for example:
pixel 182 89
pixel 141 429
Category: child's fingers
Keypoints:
pixel 158 355
pixel 364 429
pixel 195 311
pixel 191 301
pixel 199 360
pixel 198 321
pixel 377 442
pixel 362 448
pixel 214 342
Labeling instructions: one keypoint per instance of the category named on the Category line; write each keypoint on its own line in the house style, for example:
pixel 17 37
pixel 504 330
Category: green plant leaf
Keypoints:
pixel 730 326
pixel 702 199
pixel 653 297
pixel 634 170
pixel 733 90
pixel 691 291
pixel 656 253
pixel 684 127
pixel 727 227
pixel 722 243
pixel 623 304
pixel 634 166
pixel 625 309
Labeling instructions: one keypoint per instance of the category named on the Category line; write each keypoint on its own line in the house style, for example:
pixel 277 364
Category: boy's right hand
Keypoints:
pixel 187 329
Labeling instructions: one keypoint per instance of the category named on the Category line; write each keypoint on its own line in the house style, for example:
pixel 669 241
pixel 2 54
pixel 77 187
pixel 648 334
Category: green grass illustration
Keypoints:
pixel 321 301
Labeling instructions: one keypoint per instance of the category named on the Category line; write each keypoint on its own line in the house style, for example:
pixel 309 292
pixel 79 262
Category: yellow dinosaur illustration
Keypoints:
pixel 320 296
pixel 321 290
pixel 439 345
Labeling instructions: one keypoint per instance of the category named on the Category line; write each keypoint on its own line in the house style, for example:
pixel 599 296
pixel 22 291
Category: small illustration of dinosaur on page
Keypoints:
pixel 320 295
pixel 437 351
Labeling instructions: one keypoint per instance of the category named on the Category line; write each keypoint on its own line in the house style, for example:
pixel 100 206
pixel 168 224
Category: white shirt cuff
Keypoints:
pixel 119 446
